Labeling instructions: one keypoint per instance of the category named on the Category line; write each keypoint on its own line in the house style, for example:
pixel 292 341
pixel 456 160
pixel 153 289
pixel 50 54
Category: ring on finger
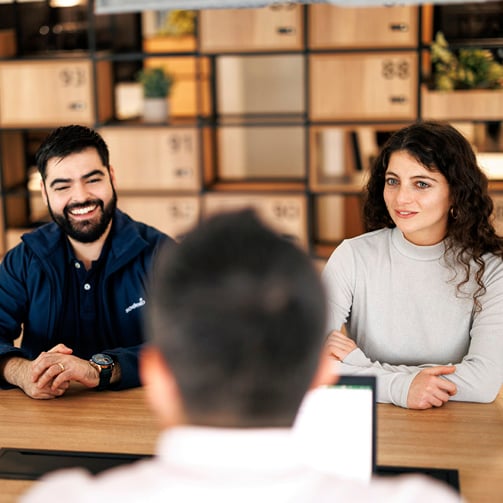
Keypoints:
pixel 61 366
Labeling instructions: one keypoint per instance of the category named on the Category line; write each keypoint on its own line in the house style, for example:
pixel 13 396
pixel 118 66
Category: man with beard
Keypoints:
pixel 76 286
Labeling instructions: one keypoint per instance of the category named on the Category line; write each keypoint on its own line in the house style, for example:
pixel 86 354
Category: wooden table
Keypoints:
pixel 459 435
pixel 466 436
pixel 87 421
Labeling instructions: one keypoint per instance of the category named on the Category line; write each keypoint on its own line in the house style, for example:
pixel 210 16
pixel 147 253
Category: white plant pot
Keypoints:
pixel 155 109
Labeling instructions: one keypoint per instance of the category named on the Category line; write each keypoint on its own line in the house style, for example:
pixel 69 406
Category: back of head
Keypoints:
pixel 67 140
pixel 238 313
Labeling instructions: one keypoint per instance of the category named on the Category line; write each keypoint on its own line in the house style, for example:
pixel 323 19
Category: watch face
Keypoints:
pixel 102 359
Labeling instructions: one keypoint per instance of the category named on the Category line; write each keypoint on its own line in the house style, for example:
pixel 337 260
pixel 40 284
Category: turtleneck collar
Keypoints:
pixel 433 252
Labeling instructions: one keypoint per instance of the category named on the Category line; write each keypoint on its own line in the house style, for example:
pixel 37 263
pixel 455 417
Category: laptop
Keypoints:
pixel 336 430
pixel 324 429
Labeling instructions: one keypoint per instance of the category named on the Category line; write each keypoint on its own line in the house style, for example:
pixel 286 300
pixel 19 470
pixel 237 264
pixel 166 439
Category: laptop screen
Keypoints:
pixel 336 427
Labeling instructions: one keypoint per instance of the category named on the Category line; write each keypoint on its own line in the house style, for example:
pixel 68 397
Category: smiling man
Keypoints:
pixel 76 286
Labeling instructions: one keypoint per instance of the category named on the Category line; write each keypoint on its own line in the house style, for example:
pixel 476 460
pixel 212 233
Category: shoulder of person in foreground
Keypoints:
pixel 144 482
pixel 397 489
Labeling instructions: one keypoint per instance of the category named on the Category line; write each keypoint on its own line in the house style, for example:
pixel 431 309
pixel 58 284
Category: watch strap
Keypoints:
pixel 104 372
pixel 105 377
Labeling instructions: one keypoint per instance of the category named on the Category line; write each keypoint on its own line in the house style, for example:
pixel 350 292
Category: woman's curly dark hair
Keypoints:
pixel 440 147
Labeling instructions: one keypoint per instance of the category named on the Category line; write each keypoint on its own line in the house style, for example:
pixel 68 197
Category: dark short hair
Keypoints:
pixel 67 140
pixel 238 313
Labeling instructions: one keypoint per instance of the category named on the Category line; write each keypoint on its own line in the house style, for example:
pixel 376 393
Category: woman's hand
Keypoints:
pixel 430 389
pixel 339 345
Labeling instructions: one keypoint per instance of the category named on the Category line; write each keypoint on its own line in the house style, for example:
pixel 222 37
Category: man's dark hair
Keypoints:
pixel 238 313
pixel 67 140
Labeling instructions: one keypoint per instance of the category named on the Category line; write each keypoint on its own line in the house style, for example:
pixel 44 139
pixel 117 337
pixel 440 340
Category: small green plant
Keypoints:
pixel 470 69
pixel 156 82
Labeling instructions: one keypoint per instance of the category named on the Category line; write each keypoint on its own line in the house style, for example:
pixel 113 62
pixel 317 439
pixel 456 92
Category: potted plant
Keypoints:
pixel 169 31
pixel 471 68
pixel 466 84
pixel 157 84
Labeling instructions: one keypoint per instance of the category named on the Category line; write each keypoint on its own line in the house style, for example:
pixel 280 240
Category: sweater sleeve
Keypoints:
pixel 479 375
pixel 393 381
pixel 338 278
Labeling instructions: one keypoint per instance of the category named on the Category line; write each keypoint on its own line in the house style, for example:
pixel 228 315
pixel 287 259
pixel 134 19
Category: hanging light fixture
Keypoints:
pixel 66 3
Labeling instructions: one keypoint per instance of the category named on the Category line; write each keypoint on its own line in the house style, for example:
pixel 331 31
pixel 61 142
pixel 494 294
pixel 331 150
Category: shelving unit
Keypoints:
pixel 281 108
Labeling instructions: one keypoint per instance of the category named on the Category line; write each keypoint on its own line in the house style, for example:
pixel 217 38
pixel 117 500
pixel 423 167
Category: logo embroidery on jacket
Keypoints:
pixel 135 305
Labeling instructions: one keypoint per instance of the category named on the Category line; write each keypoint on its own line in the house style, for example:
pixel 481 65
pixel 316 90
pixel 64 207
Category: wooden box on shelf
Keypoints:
pixel 372 86
pixel 174 215
pixel 340 157
pixel 336 217
pixel 47 93
pixel 165 43
pixel 190 95
pixel 154 158
pixel 286 213
pixel 261 153
pixel 470 104
pixel 8 46
pixel 13 159
pixel 13 236
pixel 277 27
pixel 357 27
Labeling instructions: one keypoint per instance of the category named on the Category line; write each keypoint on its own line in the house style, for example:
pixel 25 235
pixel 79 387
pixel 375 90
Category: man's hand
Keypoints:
pixel 50 374
pixel 19 372
pixel 430 389
pixel 70 368
pixel 339 345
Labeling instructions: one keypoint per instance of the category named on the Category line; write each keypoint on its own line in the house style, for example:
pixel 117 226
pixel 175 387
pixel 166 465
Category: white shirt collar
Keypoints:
pixel 270 450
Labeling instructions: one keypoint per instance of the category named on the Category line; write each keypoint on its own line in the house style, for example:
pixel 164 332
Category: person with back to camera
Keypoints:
pixel 420 295
pixel 76 286
pixel 236 325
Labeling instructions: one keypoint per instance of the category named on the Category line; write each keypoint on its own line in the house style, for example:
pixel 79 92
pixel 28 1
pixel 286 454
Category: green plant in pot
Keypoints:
pixel 157 85
pixel 469 68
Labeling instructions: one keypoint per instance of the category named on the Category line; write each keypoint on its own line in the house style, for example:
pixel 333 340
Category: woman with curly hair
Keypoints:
pixel 418 299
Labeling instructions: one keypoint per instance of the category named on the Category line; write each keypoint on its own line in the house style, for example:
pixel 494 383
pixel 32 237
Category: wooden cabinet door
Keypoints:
pixel 358 27
pixel 47 93
pixel 278 27
pixel 154 158
pixel 173 215
pixel 286 213
pixel 261 153
pixel 373 86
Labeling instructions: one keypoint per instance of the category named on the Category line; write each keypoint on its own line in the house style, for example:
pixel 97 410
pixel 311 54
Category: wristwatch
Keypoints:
pixel 104 364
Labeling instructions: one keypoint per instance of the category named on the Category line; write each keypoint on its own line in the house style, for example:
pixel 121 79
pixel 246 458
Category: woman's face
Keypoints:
pixel 418 200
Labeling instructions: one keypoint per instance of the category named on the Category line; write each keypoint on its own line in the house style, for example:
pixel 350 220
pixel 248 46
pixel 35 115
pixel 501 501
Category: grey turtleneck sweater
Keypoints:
pixel 400 304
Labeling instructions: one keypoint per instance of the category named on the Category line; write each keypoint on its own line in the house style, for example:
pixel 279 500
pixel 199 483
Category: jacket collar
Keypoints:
pixel 125 241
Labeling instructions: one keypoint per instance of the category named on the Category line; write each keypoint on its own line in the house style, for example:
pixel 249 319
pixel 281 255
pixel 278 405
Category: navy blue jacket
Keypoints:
pixel 32 277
